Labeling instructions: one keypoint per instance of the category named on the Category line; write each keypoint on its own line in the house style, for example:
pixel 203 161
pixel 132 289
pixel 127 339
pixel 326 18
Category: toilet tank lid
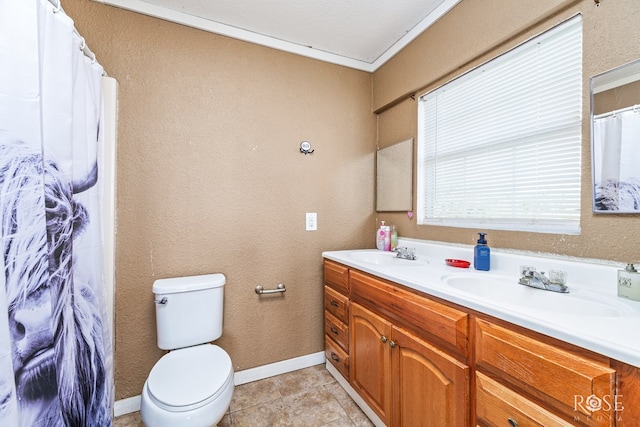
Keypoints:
pixel 189 283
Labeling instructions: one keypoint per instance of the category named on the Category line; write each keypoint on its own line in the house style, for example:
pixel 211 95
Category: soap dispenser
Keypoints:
pixel 482 254
pixel 394 238
pixel 629 283
pixel 383 237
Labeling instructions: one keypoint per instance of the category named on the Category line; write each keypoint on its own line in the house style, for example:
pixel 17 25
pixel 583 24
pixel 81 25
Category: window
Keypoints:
pixel 500 146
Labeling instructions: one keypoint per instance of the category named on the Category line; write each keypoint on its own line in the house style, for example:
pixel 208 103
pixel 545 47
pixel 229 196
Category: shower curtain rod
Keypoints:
pixel 83 46
pixel 635 108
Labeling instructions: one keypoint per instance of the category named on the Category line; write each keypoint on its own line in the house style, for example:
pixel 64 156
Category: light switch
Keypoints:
pixel 312 221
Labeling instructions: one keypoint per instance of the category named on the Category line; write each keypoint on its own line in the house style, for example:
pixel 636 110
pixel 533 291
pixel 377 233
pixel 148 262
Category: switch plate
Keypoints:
pixel 312 221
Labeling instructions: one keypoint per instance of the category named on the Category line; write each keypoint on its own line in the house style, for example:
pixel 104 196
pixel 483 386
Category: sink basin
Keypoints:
pixel 499 289
pixel 385 258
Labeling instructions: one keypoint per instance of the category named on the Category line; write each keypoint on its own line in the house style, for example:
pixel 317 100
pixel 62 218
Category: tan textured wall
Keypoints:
pixel 210 179
pixel 475 31
pixel 470 28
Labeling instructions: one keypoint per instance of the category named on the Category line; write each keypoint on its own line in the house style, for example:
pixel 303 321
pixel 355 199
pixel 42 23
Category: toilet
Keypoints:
pixel 192 385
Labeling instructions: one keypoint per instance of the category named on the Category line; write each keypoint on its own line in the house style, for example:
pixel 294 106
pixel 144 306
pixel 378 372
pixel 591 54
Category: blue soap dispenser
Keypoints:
pixel 482 254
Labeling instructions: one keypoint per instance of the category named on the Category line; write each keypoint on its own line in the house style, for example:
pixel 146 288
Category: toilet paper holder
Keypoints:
pixel 280 288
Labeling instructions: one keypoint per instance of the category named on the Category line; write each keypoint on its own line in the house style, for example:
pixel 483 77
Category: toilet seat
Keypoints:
pixel 189 378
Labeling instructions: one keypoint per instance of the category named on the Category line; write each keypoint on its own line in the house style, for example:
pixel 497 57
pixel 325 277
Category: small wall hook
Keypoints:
pixel 305 147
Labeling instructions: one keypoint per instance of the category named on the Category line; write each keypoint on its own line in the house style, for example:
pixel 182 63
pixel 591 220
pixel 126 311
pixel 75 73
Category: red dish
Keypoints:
pixel 458 263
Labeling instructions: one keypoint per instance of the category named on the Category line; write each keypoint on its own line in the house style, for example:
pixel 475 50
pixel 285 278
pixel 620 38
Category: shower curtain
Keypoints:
pixel 55 345
pixel 616 160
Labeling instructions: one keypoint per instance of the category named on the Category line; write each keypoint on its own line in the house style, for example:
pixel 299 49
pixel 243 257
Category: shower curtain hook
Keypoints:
pixel 85 50
pixel 56 5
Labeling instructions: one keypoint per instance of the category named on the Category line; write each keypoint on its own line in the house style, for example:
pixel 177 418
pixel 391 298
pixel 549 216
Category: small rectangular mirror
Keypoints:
pixel 615 140
pixel 394 177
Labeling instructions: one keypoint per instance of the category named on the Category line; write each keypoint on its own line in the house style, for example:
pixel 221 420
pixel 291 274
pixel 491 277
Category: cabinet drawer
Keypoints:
pixel 497 405
pixel 564 380
pixel 336 304
pixel 337 330
pixel 337 276
pixel 337 357
pixel 412 311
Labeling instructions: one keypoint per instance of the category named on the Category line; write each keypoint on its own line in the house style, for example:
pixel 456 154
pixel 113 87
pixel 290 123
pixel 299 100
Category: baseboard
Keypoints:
pixel 277 368
pixel 132 404
pixel 126 406
pixel 355 396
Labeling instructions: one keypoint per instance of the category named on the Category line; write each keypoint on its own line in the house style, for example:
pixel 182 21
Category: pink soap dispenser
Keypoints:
pixel 383 237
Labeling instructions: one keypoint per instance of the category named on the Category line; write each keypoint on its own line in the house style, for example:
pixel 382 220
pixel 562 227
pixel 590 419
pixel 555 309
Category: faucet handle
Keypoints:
pixel 558 277
pixel 405 252
pixel 527 271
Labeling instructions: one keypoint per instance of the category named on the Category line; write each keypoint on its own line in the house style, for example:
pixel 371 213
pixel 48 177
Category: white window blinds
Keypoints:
pixel 499 147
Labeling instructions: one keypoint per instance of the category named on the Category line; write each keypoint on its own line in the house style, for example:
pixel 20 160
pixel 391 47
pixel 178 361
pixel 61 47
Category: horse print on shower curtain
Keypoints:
pixel 55 345
pixel 616 161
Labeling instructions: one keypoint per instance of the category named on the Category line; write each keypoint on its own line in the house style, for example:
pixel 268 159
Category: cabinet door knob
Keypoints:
pixel 334 330
pixel 383 339
pixel 335 358
pixel 392 344
pixel 512 422
pixel 334 303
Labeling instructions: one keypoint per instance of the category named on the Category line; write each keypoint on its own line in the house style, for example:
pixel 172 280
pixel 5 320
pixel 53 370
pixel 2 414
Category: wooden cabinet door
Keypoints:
pixel 370 359
pixel 430 388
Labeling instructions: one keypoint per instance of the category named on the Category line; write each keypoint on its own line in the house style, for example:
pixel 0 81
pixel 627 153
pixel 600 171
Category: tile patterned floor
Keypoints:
pixel 309 397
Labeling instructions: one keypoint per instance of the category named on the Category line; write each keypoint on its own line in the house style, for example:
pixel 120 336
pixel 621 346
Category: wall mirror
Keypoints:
pixel 394 177
pixel 615 139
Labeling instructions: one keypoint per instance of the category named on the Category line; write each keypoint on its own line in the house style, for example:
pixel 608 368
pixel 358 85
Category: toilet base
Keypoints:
pixel 205 416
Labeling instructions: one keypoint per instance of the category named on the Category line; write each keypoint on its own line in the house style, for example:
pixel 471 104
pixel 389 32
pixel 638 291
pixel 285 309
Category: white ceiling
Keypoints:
pixel 361 34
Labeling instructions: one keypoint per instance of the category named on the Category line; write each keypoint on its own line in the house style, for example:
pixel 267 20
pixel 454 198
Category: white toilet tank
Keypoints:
pixel 188 310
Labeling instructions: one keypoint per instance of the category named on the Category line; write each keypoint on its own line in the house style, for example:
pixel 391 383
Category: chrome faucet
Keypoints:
pixel 537 280
pixel 405 253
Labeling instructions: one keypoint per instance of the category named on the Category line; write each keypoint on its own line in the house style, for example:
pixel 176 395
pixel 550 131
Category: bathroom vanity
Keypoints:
pixel 410 342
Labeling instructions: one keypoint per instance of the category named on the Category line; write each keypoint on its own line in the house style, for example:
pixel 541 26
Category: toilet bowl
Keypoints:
pixel 188 387
pixel 192 385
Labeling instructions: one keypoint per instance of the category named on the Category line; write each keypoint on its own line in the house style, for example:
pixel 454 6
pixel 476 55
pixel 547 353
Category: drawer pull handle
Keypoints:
pixel 512 422
pixel 335 304
pixel 334 330
pixel 383 339
pixel 392 344
pixel 335 358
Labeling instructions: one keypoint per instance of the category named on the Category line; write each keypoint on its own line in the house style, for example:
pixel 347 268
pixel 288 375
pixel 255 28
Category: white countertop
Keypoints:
pixel 591 315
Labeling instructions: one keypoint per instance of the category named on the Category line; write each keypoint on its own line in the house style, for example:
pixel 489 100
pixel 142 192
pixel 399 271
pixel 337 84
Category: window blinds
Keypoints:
pixel 500 147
